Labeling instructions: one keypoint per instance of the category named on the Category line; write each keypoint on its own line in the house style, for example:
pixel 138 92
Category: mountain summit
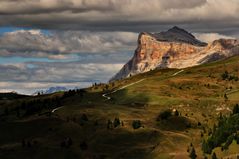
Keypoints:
pixel 175 48
pixel 177 34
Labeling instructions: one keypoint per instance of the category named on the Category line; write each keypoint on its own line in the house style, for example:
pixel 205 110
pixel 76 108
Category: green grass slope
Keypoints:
pixel 84 124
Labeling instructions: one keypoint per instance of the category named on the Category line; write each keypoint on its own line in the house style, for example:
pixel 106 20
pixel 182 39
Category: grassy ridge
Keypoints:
pixel 197 93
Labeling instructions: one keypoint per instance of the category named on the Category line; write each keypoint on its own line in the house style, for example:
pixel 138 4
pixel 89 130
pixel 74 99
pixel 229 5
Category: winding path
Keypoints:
pixel 177 73
pixel 56 109
pixel 105 95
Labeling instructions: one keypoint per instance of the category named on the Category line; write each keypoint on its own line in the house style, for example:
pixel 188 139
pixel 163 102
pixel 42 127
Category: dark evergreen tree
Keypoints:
pixel 214 156
pixel 23 143
pixel 164 115
pixel 6 111
pixel 192 154
pixel 176 113
pixel 136 124
pixel 84 117
pixel 109 124
pixel 225 75
pixel 29 144
pixel 116 122
pixel 235 109
pixel 83 146
pixel 225 97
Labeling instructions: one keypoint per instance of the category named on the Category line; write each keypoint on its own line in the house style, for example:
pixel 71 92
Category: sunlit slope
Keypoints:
pixel 191 85
pixel 199 94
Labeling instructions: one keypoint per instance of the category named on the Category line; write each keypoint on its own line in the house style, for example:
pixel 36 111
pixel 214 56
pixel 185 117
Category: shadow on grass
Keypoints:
pixel 124 97
pixel 101 143
pixel 176 123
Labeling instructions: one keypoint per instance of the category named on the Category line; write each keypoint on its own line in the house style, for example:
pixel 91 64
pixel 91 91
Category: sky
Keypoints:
pixel 74 43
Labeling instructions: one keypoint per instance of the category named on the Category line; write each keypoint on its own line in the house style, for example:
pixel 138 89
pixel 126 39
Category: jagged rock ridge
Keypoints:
pixel 175 48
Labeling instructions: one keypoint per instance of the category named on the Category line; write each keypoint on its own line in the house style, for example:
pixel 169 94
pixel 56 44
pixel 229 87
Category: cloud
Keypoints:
pixel 21 77
pixel 30 88
pixel 81 6
pixel 210 37
pixel 59 44
pixel 123 15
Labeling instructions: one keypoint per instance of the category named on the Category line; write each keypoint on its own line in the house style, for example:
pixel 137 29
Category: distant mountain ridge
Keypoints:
pixel 175 48
pixel 51 90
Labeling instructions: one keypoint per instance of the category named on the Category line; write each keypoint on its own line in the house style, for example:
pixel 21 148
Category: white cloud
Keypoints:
pixel 210 37
pixel 22 79
pixel 33 43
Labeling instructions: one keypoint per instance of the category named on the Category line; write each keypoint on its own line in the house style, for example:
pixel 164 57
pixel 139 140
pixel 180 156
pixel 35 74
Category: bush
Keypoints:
pixel 235 109
pixel 237 138
pixel 109 124
pixel 164 115
pixel 228 142
pixel 176 113
pixel 192 154
pixel 83 146
pixel 84 117
pixel 116 122
pixel 136 124
pixel 225 75
pixel 214 156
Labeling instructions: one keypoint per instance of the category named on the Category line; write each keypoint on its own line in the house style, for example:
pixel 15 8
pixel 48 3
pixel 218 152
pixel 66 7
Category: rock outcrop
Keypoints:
pixel 175 48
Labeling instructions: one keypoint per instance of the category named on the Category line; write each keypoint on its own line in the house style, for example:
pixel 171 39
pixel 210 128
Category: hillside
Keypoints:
pixel 157 114
pixel 10 96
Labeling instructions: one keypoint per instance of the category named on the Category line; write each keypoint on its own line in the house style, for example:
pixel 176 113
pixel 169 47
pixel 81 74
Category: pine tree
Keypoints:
pixel 236 109
pixel 192 154
pixel 110 124
pixel 214 156
pixel 116 122
pixel 225 97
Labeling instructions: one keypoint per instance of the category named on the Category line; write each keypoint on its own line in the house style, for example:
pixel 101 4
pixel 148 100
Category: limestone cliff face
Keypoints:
pixel 175 48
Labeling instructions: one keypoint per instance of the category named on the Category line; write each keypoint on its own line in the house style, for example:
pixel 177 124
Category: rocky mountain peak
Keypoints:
pixel 175 48
pixel 177 34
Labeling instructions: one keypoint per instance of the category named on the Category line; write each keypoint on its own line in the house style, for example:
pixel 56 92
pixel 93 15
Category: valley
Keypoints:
pixel 126 118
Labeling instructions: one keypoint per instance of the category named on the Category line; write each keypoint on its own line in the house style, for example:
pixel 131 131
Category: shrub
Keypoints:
pixel 83 146
pixel 192 154
pixel 228 142
pixel 225 75
pixel 176 113
pixel 235 109
pixel 116 122
pixel 109 124
pixel 136 124
pixel 164 115
pixel 84 117
pixel 214 156
pixel 237 138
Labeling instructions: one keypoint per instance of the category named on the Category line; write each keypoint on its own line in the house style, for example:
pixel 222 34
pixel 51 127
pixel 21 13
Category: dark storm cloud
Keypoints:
pixel 121 15
pixel 22 7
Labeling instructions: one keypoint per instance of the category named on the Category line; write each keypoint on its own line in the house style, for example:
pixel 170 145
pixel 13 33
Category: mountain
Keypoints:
pixel 51 90
pixel 175 48
pixel 158 114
